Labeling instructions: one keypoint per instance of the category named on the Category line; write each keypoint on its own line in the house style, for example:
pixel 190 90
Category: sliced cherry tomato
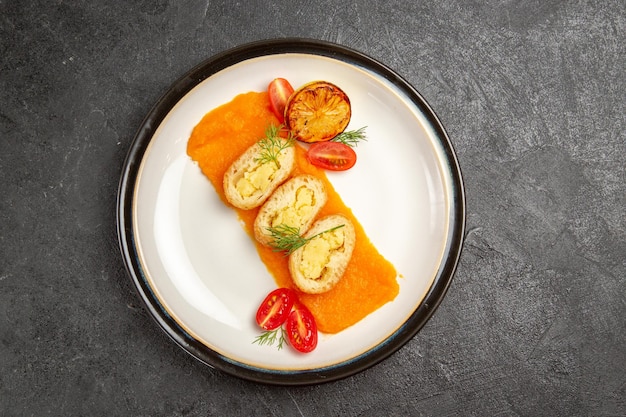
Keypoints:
pixel 334 156
pixel 279 91
pixel 301 329
pixel 275 309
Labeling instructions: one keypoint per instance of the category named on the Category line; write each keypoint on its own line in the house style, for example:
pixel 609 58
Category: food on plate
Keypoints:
pixel 294 204
pixel 226 132
pixel 301 329
pixel 252 177
pixel 283 317
pixel 369 281
pixel 287 239
pixel 334 156
pixel 318 265
pixel 279 91
pixel 275 308
pixel 351 138
pixel 269 337
pixel 317 112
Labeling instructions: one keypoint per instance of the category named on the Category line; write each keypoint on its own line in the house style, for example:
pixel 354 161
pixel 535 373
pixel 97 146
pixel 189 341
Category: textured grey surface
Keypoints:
pixel 533 96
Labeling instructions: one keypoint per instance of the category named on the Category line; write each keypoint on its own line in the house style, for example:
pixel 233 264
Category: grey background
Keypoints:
pixel 532 95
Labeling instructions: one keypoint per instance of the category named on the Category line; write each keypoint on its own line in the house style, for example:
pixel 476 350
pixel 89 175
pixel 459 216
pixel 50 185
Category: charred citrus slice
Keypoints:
pixel 317 112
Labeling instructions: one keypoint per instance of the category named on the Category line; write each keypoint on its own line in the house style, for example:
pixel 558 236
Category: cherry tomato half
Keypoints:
pixel 275 309
pixel 334 156
pixel 301 329
pixel 279 91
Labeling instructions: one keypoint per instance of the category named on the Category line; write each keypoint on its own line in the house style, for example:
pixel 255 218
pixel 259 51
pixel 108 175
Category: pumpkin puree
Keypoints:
pixel 369 281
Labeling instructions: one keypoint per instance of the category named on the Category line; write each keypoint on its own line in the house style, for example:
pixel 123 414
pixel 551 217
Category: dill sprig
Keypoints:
pixel 270 337
pixel 287 238
pixel 272 145
pixel 351 137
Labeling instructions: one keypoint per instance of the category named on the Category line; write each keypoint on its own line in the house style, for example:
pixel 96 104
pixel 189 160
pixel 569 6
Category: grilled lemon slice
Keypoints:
pixel 317 111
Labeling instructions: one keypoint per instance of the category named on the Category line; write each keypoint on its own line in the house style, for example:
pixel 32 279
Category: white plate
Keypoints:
pixel 198 271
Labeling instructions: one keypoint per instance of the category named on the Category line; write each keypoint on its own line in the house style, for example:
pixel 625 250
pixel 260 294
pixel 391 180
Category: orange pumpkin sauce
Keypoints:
pixel 369 281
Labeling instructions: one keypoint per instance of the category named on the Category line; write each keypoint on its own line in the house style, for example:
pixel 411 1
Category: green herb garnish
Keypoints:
pixel 270 337
pixel 272 145
pixel 288 238
pixel 351 137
